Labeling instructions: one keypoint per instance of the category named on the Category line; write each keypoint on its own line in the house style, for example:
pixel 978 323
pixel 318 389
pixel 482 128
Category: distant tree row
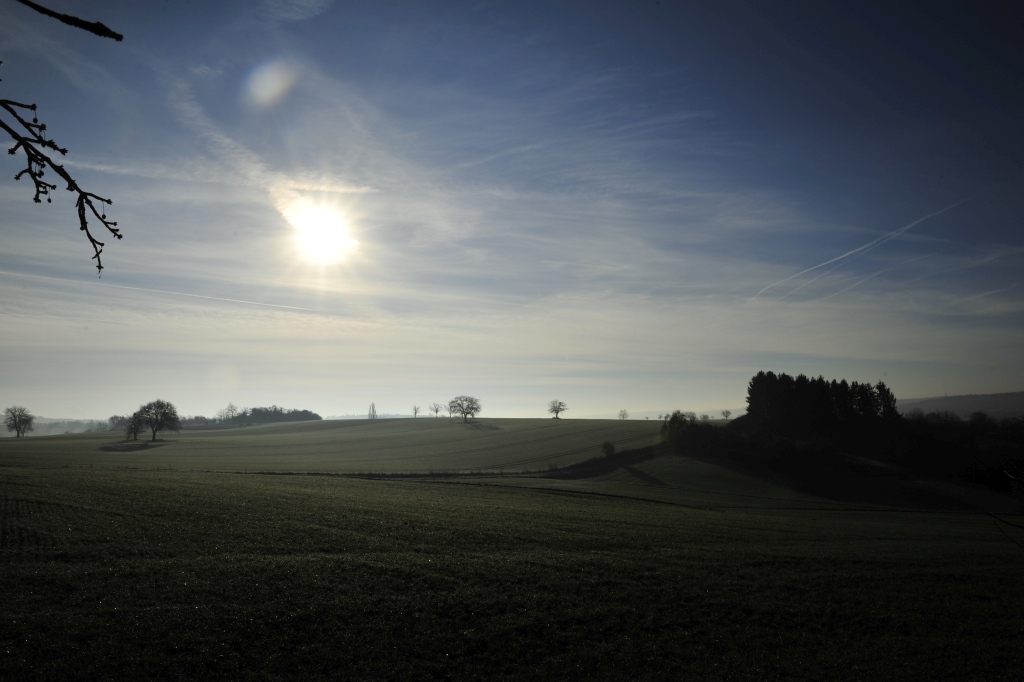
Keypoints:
pixel 801 406
pixel 267 415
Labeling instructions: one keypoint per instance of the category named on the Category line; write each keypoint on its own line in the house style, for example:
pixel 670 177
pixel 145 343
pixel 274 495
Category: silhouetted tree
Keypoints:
pixel 466 405
pixel 29 137
pixel 415 411
pixel 116 422
pixel 372 414
pixel 18 419
pixel 623 414
pixel 133 425
pixel 886 402
pixel 160 415
pixel 726 414
pixel 435 408
pixel 556 406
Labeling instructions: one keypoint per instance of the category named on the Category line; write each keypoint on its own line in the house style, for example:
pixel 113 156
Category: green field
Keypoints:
pixel 164 563
pixel 344 446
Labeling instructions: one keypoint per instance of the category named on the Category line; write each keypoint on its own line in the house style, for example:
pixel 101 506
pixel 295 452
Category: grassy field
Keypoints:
pixel 344 446
pixel 643 567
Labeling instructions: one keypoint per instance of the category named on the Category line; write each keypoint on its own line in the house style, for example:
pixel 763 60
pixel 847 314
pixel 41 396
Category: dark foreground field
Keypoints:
pixel 164 574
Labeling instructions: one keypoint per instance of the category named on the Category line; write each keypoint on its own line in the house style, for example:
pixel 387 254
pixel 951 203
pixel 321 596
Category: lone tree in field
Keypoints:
pixel 133 425
pixel 466 405
pixel 160 415
pixel 556 406
pixel 415 411
pixel 372 413
pixel 18 419
pixel 623 414
pixel 29 137
pixel 726 414
pixel 435 408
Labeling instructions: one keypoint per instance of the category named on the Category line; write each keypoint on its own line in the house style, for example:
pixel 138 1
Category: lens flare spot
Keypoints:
pixel 269 83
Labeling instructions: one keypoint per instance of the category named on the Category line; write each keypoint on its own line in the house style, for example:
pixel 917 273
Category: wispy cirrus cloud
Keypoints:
pixel 865 248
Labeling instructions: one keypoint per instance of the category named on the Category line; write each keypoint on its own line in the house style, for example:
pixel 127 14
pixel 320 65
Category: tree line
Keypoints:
pixel 805 422
pixel 801 406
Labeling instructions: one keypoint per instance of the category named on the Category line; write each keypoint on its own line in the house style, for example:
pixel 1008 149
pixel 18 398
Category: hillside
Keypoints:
pixel 350 446
pixel 998 405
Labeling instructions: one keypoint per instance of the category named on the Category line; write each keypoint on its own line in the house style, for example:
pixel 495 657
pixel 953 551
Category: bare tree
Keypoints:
pixel 435 408
pixel 623 414
pixel 415 411
pixel 133 424
pixel 18 419
pixel 726 414
pixel 30 139
pixel 228 413
pixel 451 408
pixel 466 405
pixel 372 414
pixel 160 415
pixel 556 406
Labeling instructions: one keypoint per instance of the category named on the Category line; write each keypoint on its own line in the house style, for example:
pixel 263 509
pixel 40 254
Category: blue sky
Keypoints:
pixel 617 204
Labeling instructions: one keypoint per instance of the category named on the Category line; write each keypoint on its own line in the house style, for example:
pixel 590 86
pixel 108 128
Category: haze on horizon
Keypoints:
pixel 616 204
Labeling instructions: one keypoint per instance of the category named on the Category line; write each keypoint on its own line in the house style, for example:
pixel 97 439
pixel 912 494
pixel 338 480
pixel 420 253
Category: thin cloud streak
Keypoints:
pixel 158 291
pixel 880 272
pixel 874 243
pixel 968 299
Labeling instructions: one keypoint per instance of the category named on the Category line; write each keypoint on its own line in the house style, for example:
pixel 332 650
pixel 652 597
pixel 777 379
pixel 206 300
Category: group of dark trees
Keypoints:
pixel 163 416
pixel 792 419
pixel 155 416
pixel 800 406
pixel 268 415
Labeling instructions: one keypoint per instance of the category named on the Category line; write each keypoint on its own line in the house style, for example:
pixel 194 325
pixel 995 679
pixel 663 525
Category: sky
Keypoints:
pixel 620 205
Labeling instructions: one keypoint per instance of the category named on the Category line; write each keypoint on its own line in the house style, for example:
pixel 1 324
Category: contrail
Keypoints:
pixel 981 295
pixel 878 241
pixel 160 291
pixel 859 282
pixel 211 298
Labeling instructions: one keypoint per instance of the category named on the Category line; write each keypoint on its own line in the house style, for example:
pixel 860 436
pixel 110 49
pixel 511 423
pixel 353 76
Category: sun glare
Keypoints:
pixel 321 232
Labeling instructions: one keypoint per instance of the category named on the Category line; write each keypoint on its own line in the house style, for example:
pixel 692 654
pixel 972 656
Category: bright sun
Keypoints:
pixel 321 232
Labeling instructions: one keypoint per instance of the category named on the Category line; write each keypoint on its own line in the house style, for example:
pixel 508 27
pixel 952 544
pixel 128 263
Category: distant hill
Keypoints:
pixel 998 405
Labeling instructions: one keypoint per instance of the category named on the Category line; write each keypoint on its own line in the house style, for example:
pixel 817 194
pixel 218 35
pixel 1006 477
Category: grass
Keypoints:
pixel 658 568
pixel 344 446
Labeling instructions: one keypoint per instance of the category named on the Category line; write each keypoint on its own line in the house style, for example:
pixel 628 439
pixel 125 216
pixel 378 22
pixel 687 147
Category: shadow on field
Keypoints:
pixel 600 466
pixel 478 426
pixel 858 480
pixel 132 446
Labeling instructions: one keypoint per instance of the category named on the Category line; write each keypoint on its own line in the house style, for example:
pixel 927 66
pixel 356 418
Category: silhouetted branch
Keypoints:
pixel 31 141
pixel 93 27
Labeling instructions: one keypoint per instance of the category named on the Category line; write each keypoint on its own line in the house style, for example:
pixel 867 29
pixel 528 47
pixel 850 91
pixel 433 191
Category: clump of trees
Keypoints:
pixel 18 419
pixel 800 406
pixel 158 415
pixel 799 425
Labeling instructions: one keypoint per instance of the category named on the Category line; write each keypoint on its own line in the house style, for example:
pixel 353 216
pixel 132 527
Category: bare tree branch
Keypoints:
pixel 93 27
pixel 31 141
